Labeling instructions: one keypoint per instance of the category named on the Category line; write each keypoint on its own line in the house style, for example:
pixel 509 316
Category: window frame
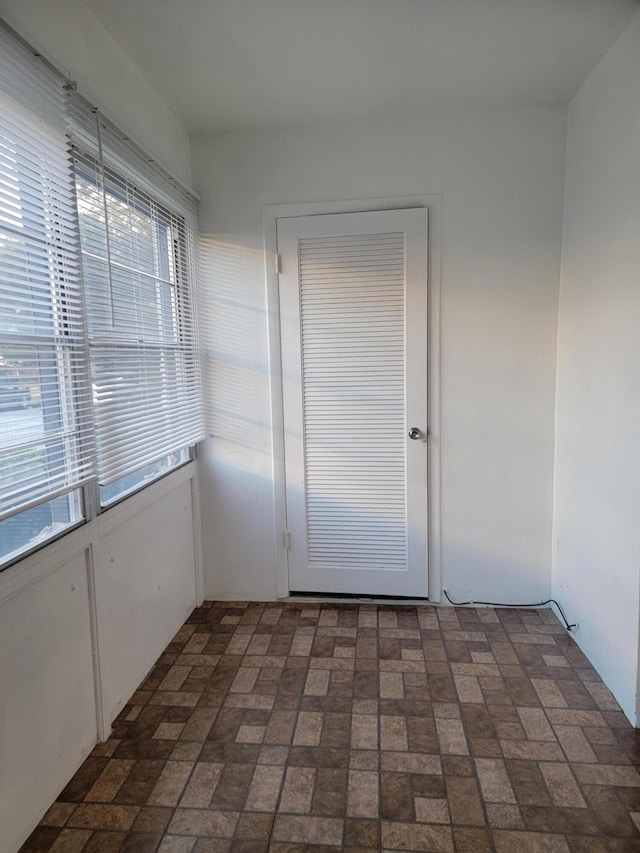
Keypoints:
pixel 49 99
pixel 86 166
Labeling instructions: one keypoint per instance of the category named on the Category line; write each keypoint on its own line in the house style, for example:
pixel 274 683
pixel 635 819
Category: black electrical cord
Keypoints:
pixel 500 604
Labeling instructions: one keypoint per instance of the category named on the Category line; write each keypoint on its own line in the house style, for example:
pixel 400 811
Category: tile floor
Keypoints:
pixel 305 727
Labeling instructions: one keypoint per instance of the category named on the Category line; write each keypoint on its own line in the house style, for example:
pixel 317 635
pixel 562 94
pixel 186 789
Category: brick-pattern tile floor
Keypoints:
pixel 306 727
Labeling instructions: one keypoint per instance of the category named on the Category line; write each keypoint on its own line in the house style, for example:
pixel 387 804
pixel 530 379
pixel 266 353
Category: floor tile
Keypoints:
pixel 302 727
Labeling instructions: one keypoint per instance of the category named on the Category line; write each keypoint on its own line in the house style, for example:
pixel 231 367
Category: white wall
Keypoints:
pixel 68 34
pixel 47 703
pixel 596 565
pixel 500 175
pixel 81 623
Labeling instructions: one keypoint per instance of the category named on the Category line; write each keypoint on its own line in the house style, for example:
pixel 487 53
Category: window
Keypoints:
pixel 99 371
pixel 136 263
pixel 46 448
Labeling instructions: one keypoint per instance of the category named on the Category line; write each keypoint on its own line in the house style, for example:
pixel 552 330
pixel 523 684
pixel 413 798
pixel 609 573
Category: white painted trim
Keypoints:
pixel 87 539
pixel 281 556
pixel 103 725
pixel 434 295
pixel 113 517
pixel 197 537
pixel 270 214
pixel 51 556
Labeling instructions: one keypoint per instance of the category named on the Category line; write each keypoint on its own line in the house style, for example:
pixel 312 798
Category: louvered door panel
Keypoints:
pixel 352 307
pixel 356 488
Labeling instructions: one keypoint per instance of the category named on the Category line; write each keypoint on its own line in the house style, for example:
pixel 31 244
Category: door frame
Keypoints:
pixel 270 215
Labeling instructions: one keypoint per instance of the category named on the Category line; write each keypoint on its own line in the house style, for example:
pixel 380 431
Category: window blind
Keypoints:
pixel 137 235
pixel 46 446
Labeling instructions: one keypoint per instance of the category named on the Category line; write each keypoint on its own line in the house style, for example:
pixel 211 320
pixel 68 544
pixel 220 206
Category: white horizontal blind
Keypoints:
pixel 46 444
pixel 137 238
pixel 352 305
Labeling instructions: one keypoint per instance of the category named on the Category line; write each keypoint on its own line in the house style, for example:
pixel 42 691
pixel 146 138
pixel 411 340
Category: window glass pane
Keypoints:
pixel 138 479
pixel 34 526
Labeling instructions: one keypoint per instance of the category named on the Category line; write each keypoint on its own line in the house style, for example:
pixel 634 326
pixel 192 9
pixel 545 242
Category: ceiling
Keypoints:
pixel 243 64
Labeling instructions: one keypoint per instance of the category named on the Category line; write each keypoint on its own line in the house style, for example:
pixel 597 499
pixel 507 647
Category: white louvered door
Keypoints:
pixel 353 303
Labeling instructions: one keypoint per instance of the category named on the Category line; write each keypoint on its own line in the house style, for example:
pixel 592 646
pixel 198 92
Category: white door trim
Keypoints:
pixel 270 214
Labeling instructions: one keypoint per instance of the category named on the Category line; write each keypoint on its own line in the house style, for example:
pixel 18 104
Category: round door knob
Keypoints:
pixel 415 433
